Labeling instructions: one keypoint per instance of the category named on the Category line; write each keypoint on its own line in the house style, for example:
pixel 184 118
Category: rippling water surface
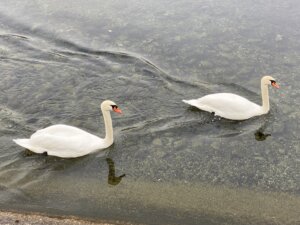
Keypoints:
pixel 170 163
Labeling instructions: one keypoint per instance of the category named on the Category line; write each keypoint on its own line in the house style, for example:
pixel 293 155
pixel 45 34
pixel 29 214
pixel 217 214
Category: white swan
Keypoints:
pixel 68 141
pixel 235 107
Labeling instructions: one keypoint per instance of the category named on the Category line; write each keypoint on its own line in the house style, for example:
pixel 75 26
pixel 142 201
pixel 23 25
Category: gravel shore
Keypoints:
pixel 13 218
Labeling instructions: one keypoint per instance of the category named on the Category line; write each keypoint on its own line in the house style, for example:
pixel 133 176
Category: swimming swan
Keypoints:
pixel 235 107
pixel 69 142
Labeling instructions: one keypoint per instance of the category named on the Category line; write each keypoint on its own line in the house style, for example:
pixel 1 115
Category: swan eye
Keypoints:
pixel 273 81
pixel 116 109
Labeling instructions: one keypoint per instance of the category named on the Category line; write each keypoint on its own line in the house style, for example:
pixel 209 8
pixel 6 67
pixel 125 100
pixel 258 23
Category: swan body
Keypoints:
pixel 69 142
pixel 235 107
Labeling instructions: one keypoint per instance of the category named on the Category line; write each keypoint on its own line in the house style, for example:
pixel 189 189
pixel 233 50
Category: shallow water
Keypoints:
pixel 61 59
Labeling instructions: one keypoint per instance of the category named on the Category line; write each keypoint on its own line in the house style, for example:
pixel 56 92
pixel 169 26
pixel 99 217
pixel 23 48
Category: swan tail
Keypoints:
pixel 23 142
pixel 186 101
pixel 192 102
pixel 198 104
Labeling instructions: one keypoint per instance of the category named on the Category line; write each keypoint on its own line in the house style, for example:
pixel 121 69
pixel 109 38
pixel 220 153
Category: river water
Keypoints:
pixel 61 59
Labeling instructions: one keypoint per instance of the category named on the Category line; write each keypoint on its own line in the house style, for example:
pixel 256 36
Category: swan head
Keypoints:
pixel 268 80
pixel 108 105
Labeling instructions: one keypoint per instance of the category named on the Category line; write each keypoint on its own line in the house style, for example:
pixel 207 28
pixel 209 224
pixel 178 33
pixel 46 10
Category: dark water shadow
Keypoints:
pixel 52 163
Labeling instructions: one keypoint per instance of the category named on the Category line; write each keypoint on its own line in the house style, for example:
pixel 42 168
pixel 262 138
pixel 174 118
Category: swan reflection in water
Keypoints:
pixel 112 179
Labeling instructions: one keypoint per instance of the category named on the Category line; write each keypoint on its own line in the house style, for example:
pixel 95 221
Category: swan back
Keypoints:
pixel 227 105
pixel 63 141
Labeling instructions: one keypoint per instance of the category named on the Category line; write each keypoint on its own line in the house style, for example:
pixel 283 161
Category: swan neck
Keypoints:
pixel 265 98
pixel 108 127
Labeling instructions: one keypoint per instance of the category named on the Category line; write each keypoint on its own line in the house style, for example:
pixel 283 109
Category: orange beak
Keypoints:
pixel 117 110
pixel 274 84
